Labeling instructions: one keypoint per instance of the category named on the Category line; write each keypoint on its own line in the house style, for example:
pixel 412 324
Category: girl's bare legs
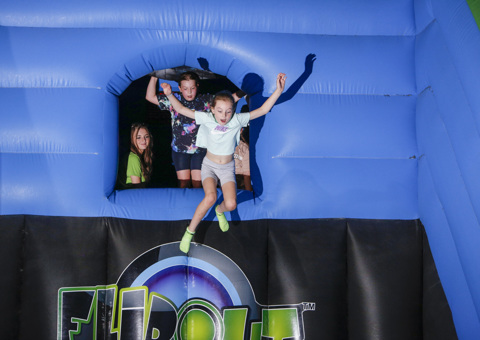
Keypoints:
pixel 229 203
pixel 210 188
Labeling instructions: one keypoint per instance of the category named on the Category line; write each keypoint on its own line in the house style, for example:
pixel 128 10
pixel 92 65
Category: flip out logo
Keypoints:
pixel 165 295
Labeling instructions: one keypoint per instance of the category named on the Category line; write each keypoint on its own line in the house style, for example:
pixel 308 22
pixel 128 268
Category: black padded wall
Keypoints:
pixel 349 279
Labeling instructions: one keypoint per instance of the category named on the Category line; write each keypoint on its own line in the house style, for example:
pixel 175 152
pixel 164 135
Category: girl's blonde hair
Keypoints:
pixel 223 95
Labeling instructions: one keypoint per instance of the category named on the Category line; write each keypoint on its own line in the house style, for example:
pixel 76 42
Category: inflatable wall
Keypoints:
pixel 374 141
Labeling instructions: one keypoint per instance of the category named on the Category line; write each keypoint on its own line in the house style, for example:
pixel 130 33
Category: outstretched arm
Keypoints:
pixel 151 95
pixel 167 89
pixel 267 106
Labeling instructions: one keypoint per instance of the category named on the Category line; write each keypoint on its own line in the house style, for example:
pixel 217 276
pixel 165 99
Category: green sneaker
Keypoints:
pixel 185 242
pixel 222 220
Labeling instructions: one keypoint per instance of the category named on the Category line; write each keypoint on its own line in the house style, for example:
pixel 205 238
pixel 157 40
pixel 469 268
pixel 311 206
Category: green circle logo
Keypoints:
pixel 199 320
pixel 197 325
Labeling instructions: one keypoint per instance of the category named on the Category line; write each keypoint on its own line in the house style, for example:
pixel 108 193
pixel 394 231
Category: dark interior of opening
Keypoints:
pixel 133 107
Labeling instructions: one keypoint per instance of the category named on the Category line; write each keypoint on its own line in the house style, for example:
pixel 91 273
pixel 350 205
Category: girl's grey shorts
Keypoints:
pixel 219 172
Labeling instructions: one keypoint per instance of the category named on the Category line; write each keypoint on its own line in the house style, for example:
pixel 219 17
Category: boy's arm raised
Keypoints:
pixel 151 95
pixel 167 89
pixel 267 106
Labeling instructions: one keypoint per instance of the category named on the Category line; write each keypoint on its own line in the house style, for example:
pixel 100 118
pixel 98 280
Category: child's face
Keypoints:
pixel 188 89
pixel 142 139
pixel 223 111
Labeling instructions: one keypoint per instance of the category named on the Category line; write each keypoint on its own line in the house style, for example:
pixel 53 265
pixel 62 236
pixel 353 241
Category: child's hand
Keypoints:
pixel 281 79
pixel 167 89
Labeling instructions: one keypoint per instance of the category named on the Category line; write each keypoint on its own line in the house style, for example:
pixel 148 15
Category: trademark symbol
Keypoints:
pixel 308 306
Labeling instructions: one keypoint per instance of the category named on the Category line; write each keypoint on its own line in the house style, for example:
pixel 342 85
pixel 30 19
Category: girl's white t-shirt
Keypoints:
pixel 220 139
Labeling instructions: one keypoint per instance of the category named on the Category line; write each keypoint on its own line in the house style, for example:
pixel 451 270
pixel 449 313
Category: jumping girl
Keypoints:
pixel 219 133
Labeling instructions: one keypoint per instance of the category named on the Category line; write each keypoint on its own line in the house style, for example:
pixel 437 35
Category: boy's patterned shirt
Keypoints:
pixel 184 129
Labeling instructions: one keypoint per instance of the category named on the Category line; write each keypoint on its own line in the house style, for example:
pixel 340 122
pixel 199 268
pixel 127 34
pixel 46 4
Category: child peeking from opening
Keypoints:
pixel 219 133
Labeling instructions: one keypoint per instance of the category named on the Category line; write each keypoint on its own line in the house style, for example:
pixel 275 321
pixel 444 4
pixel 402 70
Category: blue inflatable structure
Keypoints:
pixel 383 123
